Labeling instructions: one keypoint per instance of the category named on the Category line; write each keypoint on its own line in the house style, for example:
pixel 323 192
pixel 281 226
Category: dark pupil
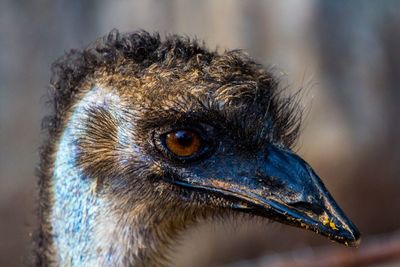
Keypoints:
pixel 184 138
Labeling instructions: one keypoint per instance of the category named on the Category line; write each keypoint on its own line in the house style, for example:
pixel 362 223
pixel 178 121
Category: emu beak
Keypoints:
pixel 282 187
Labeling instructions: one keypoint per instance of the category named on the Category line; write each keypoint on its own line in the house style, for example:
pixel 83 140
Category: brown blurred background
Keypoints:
pixel 345 54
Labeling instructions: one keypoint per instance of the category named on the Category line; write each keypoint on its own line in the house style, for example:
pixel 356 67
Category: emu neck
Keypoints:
pixel 89 229
pixel 88 232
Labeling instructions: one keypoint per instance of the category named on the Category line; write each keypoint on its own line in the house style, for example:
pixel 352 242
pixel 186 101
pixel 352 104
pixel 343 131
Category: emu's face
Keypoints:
pixel 208 144
pixel 237 164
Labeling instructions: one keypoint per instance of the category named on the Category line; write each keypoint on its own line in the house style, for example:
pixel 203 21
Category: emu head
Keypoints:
pixel 169 132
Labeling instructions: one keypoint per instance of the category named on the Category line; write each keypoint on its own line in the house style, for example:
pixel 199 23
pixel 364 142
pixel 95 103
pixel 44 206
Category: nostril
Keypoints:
pixel 306 206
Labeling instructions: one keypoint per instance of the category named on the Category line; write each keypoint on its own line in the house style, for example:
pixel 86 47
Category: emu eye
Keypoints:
pixel 183 143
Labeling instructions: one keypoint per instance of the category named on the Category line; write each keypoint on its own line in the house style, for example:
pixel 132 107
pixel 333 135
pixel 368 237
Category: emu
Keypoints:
pixel 148 137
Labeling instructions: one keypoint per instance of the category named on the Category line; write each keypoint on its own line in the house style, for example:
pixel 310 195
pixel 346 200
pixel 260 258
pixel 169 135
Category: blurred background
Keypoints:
pixel 344 54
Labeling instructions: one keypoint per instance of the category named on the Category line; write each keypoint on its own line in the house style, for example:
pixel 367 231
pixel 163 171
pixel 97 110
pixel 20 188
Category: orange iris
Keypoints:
pixel 183 143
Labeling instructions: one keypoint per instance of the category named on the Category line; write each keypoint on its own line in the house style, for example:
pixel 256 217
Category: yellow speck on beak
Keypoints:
pixel 326 221
pixel 332 225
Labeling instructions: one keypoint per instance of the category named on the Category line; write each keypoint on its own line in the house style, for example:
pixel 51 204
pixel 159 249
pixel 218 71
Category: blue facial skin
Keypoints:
pixel 76 210
pixel 73 213
pixel 276 183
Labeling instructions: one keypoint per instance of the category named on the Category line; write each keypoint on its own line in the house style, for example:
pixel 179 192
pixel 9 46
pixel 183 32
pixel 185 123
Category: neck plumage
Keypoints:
pixel 87 228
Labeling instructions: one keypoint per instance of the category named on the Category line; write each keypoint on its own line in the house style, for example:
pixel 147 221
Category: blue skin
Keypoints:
pixel 77 208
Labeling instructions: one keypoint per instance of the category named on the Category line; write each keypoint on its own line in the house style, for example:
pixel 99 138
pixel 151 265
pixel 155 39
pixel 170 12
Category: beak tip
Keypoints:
pixel 354 234
pixel 353 242
pixel 356 239
pixel 349 237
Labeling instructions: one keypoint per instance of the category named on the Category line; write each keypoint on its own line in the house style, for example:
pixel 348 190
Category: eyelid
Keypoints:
pixel 199 129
